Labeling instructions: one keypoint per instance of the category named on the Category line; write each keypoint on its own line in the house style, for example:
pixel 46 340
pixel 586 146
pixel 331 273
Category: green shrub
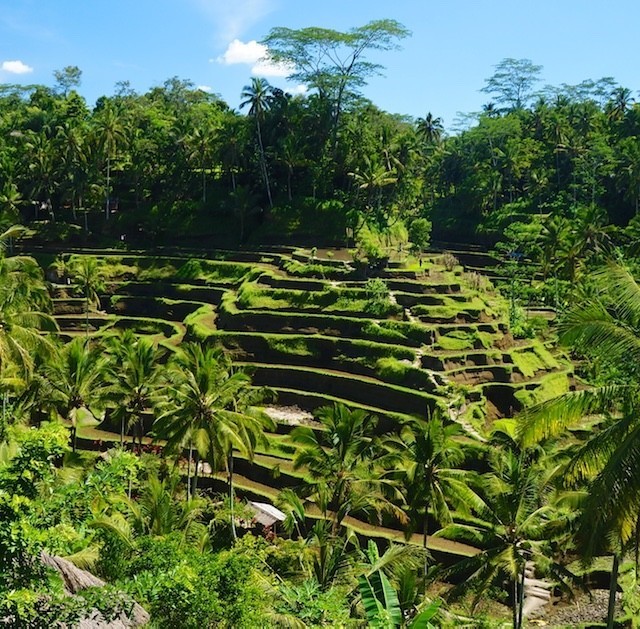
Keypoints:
pixel 296 346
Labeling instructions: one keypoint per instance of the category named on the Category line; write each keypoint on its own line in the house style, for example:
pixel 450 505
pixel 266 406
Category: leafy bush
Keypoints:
pixel 183 587
pixel 420 233
pixel 449 261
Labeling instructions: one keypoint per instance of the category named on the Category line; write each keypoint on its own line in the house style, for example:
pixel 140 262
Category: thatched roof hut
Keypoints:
pixel 76 579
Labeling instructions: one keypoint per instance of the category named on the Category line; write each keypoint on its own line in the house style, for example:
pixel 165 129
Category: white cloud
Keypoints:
pixel 15 67
pixel 205 88
pixel 239 52
pixel 256 55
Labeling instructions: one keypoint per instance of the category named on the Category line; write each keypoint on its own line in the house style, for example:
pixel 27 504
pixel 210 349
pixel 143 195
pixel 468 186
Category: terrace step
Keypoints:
pixel 309 401
pixel 173 290
pixel 435 544
pixel 388 397
pixel 325 325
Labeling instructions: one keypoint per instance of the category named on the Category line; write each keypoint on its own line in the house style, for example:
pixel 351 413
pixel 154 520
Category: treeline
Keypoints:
pixel 177 161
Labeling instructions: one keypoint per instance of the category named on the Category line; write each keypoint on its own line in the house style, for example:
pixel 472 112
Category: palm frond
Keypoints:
pixel 85 559
pixel 552 418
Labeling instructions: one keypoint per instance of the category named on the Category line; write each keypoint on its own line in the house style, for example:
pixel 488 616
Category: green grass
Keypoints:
pixel 550 386
pixel 533 359
pixel 199 323
pixel 459 340
pixel 332 299
pixel 315 269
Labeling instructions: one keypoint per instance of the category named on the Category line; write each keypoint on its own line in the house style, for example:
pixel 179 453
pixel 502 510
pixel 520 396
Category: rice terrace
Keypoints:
pixel 308 363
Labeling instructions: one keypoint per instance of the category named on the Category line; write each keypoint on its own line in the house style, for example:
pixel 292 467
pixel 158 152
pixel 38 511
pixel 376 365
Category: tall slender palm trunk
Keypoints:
pixel 106 207
pixel 425 539
pixel 613 587
pixel 189 494
pixel 231 496
pixel 263 163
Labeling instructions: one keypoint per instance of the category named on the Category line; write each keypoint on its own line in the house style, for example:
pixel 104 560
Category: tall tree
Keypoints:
pixel 605 329
pixel 67 78
pixel 512 83
pixel 333 62
pixel 427 459
pixel 513 528
pixel 88 278
pixel 210 407
pixel 136 377
pixel 110 135
pixel 76 384
pixel 257 96
pixel 339 460
pixel 430 129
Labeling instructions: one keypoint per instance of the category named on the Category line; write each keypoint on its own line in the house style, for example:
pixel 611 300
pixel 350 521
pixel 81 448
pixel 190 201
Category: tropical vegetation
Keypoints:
pixel 330 308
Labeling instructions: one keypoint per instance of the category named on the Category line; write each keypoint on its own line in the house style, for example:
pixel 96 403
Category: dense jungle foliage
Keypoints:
pixel 562 163
pixel 119 453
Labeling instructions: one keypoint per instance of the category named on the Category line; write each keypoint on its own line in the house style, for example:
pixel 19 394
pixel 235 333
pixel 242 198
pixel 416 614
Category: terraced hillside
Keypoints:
pixel 316 332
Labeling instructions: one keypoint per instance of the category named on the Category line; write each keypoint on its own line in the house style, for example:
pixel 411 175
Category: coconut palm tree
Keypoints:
pixel 136 375
pixel 258 97
pixel 76 384
pixel 24 306
pixel 425 457
pixel 513 527
pixel 430 129
pixel 606 329
pixel 88 278
pixel 110 135
pixel 339 461
pixel 211 408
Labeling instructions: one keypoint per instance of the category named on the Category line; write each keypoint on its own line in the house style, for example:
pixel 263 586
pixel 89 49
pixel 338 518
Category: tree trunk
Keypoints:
pixel 637 545
pixel 521 593
pixel 231 496
pixel 189 469
pixel 425 538
pixel 140 424
pixel 613 587
pixel 74 438
pixel 86 309
pixel 195 474
pixel 106 207
pixel 514 605
pixel 263 163
pixel 122 432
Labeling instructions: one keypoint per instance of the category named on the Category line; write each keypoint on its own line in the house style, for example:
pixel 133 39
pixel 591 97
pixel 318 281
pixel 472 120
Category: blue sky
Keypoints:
pixel 441 68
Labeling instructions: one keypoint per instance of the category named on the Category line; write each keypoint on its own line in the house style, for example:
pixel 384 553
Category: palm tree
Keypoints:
pixel 210 407
pixel 605 329
pixel 426 457
pixel 88 277
pixel 258 96
pixel 24 302
pixel 74 152
pixel 339 461
pixel 199 147
pixel 159 512
pixel 41 155
pixel 513 527
pixel 136 376
pixel 110 135
pixel 76 384
pixel 430 129
pixel 621 99
pixel 10 201
pixel 373 178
